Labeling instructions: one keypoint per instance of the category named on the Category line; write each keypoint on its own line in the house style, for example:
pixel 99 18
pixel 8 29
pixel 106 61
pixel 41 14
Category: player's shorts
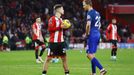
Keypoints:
pixel 92 44
pixel 38 43
pixel 114 42
pixel 57 49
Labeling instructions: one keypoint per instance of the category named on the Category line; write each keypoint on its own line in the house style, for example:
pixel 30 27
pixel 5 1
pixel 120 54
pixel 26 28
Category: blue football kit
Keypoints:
pixel 94 35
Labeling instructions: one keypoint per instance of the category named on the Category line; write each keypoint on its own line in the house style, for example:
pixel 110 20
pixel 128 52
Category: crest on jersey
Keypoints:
pixel 88 17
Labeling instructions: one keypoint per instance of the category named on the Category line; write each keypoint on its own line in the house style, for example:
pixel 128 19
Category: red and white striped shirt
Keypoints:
pixel 37 28
pixel 55 30
pixel 111 32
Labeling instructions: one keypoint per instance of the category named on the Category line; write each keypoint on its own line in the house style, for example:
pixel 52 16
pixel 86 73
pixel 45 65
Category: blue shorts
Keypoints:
pixel 92 44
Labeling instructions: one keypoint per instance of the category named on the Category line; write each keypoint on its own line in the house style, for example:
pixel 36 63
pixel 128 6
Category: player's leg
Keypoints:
pixel 45 66
pixel 42 49
pixel 90 54
pixel 37 57
pixel 62 53
pixel 90 57
pixel 95 63
pixel 92 48
pixel 65 66
pixel 115 52
pixel 112 51
pixel 50 53
pixel 115 49
pixel 36 51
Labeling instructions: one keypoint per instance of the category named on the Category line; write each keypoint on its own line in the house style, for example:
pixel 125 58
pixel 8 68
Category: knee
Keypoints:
pixel 43 46
pixel 48 59
pixel 90 56
pixel 63 59
pixel 37 47
pixel 116 49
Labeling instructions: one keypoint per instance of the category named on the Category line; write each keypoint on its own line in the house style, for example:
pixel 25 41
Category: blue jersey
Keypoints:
pixel 94 35
pixel 94 17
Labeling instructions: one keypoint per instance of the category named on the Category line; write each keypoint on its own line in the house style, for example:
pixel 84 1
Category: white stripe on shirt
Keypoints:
pixel 57 32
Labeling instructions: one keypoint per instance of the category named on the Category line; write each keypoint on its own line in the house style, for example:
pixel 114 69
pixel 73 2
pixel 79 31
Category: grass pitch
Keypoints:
pixel 23 63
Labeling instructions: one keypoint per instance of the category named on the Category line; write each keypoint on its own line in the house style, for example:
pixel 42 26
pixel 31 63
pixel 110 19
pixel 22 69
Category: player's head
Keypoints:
pixel 87 4
pixel 38 20
pixel 58 8
pixel 114 21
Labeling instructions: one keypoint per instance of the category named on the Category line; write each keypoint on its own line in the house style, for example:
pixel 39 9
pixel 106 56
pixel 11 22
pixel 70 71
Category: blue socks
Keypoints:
pixel 93 67
pixel 95 63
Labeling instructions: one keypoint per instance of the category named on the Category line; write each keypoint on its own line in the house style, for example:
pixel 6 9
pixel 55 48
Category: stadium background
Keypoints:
pixel 17 16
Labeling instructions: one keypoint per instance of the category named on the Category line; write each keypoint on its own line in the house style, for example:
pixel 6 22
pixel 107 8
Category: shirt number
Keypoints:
pixel 97 23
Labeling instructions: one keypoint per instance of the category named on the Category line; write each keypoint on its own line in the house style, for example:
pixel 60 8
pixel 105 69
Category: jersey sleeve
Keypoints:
pixel 34 28
pixel 107 31
pixel 52 25
pixel 109 27
pixel 89 18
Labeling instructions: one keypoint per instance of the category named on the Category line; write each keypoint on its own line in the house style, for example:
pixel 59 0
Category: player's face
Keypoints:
pixel 61 10
pixel 114 21
pixel 85 6
pixel 38 20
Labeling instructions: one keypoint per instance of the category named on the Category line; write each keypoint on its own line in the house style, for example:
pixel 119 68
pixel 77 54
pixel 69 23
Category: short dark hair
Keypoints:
pixel 36 17
pixel 89 2
pixel 57 6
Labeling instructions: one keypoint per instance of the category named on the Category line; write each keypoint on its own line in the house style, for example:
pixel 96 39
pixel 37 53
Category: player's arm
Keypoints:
pixel 41 37
pixel 88 25
pixel 34 29
pixel 63 26
pixel 87 31
pixel 88 28
pixel 52 27
pixel 118 37
pixel 108 31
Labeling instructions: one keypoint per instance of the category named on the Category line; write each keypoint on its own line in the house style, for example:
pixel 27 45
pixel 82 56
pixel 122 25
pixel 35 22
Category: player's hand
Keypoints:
pixel 85 40
pixel 41 39
pixel 107 39
pixel 63 26
pixel 85 44
pixel 119 40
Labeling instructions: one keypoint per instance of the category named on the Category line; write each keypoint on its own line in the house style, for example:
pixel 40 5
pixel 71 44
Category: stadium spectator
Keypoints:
pixel 17 16
pixel 5 41
pixel 28 41
pixel 1 46
pixel 13 41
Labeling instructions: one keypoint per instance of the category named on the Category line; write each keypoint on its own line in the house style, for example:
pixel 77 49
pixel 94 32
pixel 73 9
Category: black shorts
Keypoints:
pixel 57 49
pixel 38 42
pixel 114 42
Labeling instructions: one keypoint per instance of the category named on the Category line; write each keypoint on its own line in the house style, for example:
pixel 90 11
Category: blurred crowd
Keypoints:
pixel 17 16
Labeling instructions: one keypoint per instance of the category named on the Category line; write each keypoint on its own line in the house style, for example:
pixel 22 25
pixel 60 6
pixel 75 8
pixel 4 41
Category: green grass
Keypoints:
pixel 23 63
